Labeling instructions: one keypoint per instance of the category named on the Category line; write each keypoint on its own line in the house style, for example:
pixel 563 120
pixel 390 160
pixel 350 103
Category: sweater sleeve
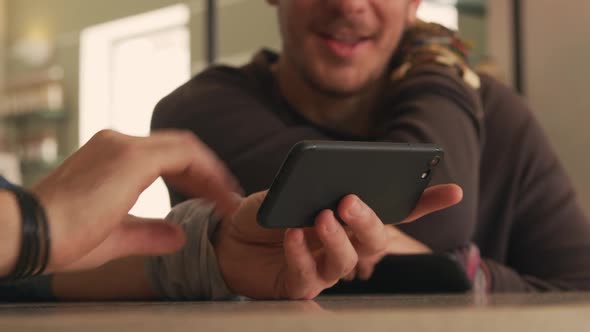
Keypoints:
pixel 549 243
pixel 433 105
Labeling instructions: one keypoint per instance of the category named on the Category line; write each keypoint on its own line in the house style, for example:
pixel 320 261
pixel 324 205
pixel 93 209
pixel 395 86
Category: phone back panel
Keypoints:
pixel 316 175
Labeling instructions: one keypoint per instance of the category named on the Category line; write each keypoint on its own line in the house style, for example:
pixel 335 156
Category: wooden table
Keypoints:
pixel 456 313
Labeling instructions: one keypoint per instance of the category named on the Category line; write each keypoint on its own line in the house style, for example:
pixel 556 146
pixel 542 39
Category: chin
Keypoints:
pixel 345 82
pixel 340 88
pixel 337 82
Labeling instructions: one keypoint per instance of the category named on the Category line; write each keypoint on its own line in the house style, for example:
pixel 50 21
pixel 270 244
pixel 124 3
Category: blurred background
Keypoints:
pixel 69 68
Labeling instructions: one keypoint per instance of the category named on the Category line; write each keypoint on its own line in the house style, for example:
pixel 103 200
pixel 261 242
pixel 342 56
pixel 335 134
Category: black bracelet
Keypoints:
pixel 35 240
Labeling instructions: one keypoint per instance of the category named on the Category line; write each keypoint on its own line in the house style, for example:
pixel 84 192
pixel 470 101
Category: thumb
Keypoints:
pixel 436 198
pixel 145 237
pixel 133 237
pixel 246 226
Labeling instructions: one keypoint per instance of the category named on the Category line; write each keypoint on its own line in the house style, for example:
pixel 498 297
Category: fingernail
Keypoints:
pixel 356 209
pixel 330 226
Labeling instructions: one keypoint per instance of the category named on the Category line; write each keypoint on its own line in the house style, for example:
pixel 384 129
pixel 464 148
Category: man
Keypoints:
pixel 345 73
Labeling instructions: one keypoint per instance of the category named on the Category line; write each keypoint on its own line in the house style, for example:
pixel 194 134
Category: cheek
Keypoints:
pixel 294 34
pixel 385 47
pixel 294 18
pixel 393 27
pixel 393 16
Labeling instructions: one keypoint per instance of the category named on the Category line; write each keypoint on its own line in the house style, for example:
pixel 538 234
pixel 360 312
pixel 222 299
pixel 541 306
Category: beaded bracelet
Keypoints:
pixel 35 240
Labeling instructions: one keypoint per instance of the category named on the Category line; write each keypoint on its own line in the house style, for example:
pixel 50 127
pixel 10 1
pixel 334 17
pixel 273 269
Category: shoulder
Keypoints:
pixel 219 91
pixel 216 105
pixel 502 102
pixel 511 126
pixel 211 89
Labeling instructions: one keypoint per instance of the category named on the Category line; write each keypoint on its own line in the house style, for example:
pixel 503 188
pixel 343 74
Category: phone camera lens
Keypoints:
pixel 435 161
pixel 425 175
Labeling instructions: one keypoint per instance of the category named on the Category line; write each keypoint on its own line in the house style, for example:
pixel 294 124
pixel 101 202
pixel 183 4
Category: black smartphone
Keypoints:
pixel 316 175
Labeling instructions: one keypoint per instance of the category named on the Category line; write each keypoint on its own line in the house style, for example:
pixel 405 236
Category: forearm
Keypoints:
pixel 432 106
pixel 9 232
pixel 504 279
pixel 123 279
pixel 549 246
pixel 189 274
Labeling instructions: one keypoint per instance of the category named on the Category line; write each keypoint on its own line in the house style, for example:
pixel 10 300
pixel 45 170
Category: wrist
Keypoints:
pixel 219 242
pixel 61 230
pixel 34 241
pixel 469 258
pixel 192 273
pixel 10 232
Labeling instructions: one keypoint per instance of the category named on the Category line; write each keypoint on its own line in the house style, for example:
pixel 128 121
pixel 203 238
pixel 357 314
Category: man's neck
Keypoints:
pixel 347 114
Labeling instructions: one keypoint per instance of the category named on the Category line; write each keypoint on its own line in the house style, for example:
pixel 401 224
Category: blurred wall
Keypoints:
pixel 243 26
pixel 2 59
pixel 2 40
pixel 499 38
pixel 557 80
pixel 473 27
pixel 556 50
pixel 60 22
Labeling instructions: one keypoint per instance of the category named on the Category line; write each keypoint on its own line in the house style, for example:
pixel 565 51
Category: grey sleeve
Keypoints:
pixel 191 273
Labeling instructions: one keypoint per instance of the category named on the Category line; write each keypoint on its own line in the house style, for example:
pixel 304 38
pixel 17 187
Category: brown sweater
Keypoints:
pixel 519 206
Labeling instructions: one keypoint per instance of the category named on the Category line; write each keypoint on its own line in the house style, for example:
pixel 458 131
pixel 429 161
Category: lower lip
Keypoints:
pixel 343 49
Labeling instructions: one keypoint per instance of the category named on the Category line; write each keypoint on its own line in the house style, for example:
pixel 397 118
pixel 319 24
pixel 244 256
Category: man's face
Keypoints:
pixel 340 47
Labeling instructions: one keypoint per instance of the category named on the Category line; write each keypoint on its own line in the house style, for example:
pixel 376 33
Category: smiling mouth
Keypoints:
pixel 344 45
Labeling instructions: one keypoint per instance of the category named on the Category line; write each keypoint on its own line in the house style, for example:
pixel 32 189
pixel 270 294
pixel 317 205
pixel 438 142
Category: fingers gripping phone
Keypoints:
pixel 316 175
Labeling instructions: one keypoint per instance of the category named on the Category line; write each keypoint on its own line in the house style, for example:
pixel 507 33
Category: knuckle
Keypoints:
pixel 187 138
pixel 105 135
pixel 349 264
pixel 344 266
pixel 304 274
pixel 121 146
pixel 373 247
